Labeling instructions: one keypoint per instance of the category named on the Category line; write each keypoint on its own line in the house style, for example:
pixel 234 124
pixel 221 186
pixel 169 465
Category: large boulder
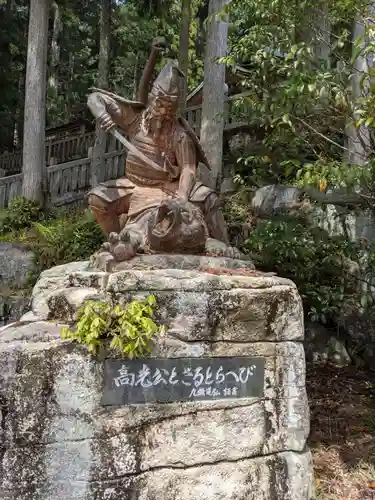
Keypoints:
pixel 357 325
pixel 331 212
pixel 354 335
pixel 57 441
pixel 12 306
pixel 16 265
pixel 322 345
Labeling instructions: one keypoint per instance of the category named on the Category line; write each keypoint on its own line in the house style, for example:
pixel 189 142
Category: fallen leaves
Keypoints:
pixel 342 435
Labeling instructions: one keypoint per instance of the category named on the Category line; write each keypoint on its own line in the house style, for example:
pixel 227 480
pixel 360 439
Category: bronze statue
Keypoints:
pixel 159 206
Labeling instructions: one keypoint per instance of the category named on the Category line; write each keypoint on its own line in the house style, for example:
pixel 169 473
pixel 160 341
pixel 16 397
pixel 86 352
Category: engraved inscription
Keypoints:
pixel 182 379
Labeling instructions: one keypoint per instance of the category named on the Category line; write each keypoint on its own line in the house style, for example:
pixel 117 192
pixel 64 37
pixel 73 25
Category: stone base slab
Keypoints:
pixel 57 442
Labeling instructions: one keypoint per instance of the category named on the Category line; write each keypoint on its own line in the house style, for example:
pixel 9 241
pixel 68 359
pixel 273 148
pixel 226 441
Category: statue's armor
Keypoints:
pixel 146 186
pixel 139 172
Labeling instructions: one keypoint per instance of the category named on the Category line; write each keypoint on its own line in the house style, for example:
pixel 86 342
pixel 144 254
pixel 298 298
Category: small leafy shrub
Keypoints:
pixel 311 258
pixel 20 214
pixel 129 328
pixel 326 175
pixel 238 217
pixel 71 237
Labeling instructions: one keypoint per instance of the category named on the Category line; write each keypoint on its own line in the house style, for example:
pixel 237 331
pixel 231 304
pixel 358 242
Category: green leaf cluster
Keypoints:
pixel 129 329
pixel 56 237
pixel 20 214
pixel 316 262
pixel 300 104
pixel 67 238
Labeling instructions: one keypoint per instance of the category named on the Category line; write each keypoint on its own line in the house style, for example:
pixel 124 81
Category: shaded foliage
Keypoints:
pixel 315 261
pixel 134 25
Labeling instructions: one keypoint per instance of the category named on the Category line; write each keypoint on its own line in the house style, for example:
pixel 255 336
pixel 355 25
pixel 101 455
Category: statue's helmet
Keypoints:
pixel 167 85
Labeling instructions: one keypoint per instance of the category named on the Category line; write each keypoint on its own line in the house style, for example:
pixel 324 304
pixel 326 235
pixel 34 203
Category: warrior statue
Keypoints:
pixel 161 165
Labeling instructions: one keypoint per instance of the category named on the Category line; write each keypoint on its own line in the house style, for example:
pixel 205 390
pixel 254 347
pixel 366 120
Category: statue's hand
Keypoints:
pixel 105 122
pixel 159 44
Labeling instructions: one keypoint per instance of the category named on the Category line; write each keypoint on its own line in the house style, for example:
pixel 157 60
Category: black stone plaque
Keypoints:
pixel 144 381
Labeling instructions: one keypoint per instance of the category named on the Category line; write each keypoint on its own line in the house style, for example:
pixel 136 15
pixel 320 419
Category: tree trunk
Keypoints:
pixel 323 34
pixel 55 50
pixel 213 119
pixel 135 77
pixel 358 140
pixel 315 30
pixel 68 87
pixel 183 58
pixel 34 164
pixel 99 149
pixel 18 133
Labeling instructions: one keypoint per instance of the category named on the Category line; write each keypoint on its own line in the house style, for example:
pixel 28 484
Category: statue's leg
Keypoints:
pixel 214 219
pixel 109 214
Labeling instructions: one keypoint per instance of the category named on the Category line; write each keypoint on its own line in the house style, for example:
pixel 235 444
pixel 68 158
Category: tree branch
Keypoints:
pixel 324 137
pixel 339 199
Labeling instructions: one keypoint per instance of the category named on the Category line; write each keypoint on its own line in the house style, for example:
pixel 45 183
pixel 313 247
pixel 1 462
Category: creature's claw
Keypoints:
pixel 120 248
pixel 219 249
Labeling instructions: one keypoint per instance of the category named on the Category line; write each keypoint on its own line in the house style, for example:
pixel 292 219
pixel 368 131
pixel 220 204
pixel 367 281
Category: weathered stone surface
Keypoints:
pixel 16 264
pixel 57 442
pixel 195 305
pixel 12 306
pixel 357 327
pixel 49 281
pixel 322 345
pixel 353 338
pixel 187 262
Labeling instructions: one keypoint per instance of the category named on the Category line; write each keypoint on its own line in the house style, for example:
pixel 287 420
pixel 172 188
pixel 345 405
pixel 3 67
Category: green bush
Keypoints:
pixel 71 237
pixel 311 258
pixel 57 237
pixel 20 214
pixel 129 328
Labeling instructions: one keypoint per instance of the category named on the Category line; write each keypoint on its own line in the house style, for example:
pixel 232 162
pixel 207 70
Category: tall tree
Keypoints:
pixel 34 163
pixel 358 139
pixel 53 77
pixel 13 36
pixel 101 137
pixel 213 108
pixel 183 58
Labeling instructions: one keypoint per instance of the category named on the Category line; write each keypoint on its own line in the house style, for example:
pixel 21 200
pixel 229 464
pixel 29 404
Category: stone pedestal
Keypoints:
pixel 58 442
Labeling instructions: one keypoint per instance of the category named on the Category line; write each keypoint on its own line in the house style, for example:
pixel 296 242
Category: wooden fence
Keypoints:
pixel 233 116
pixel 69 148
pixel 67 182
pixel 57 151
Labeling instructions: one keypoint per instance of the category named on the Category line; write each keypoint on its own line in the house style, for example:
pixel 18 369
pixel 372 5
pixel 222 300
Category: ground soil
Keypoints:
pixel 342 438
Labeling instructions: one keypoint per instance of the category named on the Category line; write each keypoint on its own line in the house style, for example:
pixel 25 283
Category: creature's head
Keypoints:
pixel 177 227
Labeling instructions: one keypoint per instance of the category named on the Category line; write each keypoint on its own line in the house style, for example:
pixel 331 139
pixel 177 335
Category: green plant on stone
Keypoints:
pixel 129 328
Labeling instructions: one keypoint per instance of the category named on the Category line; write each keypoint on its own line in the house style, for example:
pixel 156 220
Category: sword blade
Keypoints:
pixel 130 147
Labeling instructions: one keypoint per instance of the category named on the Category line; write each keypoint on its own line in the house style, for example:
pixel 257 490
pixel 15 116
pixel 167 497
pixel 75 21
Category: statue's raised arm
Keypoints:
pixel 158 47
pixel 113 110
